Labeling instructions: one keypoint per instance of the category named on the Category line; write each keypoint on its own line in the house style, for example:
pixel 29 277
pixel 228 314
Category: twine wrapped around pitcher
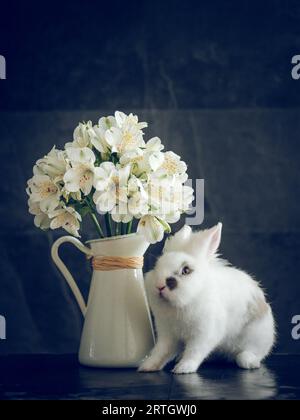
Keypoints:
pixel 102 263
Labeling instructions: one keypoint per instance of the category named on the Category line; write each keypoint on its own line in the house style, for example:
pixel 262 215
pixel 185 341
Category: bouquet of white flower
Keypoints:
pixel 108 169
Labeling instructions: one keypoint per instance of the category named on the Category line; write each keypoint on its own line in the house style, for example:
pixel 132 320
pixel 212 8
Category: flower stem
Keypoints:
pixel 113 227
pixel 108 224
pixel 123 228
pixel 97 225
pixel 91 207
pixel 129 227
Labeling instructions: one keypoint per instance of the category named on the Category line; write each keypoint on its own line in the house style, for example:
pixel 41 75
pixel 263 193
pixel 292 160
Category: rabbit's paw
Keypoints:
pixel 248 360
pixel 185 366
pixel 150 365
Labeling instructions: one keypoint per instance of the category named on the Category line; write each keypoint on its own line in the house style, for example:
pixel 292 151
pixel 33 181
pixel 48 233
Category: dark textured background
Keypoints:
pixel 212 78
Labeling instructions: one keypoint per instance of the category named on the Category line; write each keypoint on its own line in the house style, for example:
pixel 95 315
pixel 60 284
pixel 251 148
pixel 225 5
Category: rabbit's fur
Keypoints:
pixel 201 304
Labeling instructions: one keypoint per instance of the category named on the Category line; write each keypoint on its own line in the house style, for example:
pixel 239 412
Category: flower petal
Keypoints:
pixel 105 202
pixel 156 160
pixel 151 228
pixel 113 136
pixel 83 155
pixel 120 118
pixel 154 145
pixel 72 180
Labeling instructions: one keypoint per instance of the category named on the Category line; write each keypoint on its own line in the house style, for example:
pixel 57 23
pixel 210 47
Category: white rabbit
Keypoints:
pixel 201 304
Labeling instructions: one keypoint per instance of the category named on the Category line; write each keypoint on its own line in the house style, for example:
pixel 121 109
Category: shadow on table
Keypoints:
pixel 226 384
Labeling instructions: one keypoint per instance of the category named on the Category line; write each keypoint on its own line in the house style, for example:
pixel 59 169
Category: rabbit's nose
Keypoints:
pixel 161 288
pixel 171 283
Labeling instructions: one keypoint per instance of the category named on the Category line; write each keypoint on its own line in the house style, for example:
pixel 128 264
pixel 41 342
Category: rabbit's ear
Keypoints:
pixel 213 239
pixel 206 241
pixel 176 241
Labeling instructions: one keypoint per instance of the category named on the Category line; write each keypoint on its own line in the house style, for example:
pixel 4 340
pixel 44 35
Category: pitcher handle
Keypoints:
pixel 65 272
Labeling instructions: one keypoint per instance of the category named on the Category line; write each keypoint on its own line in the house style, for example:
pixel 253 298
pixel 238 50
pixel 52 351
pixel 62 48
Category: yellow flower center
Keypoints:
pixel 47 188
pixel 170 165
pixel 128 140
pixel 137 159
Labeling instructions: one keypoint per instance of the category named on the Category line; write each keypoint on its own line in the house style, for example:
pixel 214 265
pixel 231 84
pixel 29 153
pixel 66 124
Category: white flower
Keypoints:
pixel 135 158
pixel 153 153
pixel 82 155
pixel 79 178
pixel 111 186
pixel 97 134
pixel 67 218
pixel 67 195
pixel 121 214
pixel 53 164
pixel 81 175
pixel 138 205
pixel 44 191
pixel 41 219
pixel 145 160
pixel 151 228
pixel 121 142
pixel 168 197
pixel 138 197
pixel 187 198
pixel 127 135
pixel 136 185
pixel 154 145
pixel 104 172
pixel 125 121
pixel 81 136
pixel 134 202
pixel 158 191
pixel 173 166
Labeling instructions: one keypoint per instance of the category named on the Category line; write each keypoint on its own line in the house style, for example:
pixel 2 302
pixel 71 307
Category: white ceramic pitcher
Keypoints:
pixel 117 329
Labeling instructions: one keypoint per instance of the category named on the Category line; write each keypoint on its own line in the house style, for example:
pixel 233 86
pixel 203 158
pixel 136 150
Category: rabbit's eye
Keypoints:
pixel 186 270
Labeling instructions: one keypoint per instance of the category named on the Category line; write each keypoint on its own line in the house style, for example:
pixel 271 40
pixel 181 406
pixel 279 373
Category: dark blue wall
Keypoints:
pixel 212 78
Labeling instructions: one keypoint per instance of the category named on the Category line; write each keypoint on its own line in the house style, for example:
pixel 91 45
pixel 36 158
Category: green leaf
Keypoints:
pixel 82 209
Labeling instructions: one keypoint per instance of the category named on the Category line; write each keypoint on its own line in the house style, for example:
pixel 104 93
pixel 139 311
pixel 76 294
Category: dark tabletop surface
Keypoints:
pixel 61 377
